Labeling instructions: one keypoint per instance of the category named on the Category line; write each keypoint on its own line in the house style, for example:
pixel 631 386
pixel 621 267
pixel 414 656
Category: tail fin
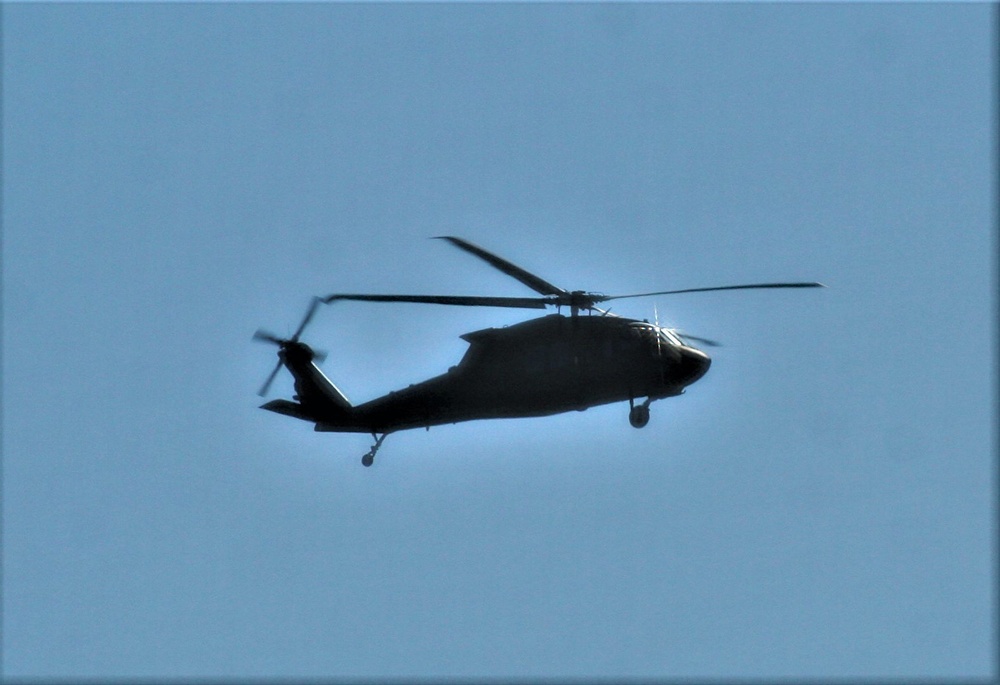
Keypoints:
pixel 312 387
pixel 318 399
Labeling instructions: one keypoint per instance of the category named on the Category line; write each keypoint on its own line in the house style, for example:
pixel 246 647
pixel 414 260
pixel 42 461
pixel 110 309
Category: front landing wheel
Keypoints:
pixel 639 416
pixel 368 459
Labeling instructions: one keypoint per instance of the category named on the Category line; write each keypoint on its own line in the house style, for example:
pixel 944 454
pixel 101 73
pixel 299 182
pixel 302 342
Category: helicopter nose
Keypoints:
pixel 693 365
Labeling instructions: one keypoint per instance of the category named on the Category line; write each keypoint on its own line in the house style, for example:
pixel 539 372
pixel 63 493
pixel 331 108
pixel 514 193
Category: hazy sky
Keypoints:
pixel 177 175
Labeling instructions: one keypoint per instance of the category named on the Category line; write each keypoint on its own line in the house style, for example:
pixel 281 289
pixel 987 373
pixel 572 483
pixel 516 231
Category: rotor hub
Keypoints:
pixel 295 351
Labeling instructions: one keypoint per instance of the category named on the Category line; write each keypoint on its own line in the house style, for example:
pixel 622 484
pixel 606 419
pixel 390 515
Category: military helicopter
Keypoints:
pixel 539 367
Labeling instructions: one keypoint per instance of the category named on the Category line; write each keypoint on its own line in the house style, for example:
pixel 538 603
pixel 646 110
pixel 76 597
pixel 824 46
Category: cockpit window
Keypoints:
pixel 665 334
pixel 670 336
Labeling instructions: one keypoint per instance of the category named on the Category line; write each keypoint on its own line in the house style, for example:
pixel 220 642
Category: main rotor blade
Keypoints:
pixel 468 301
pixel 704 341
pixel 720 287
pixel 539 285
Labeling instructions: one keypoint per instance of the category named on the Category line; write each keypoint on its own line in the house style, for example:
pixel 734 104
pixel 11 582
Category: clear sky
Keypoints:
pixel 176 176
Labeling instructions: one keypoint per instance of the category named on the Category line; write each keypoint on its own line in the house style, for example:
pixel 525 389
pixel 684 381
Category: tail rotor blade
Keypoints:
pixel 308 317
pixel 270 379
pixel 266 336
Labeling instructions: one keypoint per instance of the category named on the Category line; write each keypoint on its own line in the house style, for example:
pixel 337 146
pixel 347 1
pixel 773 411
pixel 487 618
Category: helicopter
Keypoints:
pixel 539 367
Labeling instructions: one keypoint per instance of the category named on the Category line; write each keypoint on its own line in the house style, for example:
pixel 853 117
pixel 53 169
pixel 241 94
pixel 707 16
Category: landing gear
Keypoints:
pixel 369 457
pixel 638 416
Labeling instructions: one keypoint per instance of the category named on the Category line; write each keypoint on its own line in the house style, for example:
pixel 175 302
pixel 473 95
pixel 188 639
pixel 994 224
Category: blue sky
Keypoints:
pixel 176 176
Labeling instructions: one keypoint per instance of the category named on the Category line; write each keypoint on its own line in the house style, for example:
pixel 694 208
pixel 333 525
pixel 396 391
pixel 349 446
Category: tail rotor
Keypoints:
pixel 285 345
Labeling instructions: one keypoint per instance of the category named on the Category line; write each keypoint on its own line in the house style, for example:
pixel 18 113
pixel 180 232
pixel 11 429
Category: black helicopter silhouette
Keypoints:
pixel 539 367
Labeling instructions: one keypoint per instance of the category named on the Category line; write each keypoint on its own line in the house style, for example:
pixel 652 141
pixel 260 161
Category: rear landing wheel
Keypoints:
pixel 370 456
pixel 639 416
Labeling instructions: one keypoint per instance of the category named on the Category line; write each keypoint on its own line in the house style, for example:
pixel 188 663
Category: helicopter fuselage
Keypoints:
pixel 540 367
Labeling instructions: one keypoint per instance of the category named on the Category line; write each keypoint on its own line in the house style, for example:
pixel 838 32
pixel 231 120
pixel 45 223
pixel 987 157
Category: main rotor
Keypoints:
pixel 552 296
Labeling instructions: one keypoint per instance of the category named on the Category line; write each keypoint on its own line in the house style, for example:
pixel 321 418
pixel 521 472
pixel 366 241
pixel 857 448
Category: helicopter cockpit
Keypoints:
pixel 666 335
pixel 669 336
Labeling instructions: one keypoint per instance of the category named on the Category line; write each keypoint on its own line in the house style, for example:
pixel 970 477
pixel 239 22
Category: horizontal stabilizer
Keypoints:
pixel 287 408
